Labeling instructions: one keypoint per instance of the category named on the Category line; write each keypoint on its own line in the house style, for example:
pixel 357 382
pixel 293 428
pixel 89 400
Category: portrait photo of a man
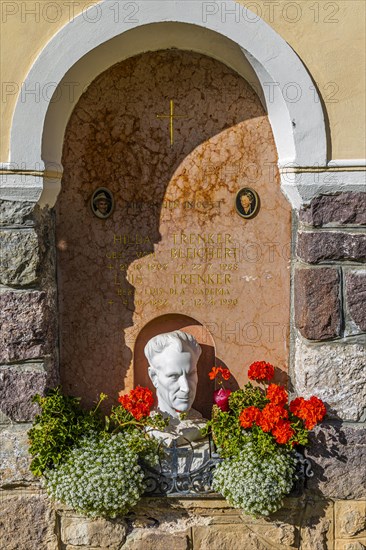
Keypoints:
pixel 102 203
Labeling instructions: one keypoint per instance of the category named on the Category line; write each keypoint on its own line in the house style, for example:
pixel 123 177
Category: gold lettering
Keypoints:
pixel 202 238
pixel 230 253
pixel 196 279
pixel 136 239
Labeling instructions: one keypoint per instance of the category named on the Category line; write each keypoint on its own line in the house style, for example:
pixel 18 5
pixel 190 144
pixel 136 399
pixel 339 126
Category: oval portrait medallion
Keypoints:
pixel 247 203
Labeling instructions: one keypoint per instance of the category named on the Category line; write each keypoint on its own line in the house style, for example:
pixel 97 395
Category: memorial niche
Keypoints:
pixel 173 244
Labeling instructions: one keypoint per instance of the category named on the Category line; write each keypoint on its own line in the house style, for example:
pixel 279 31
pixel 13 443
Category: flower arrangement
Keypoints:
pixel 255 431
pixel 91 463
pixel 94 463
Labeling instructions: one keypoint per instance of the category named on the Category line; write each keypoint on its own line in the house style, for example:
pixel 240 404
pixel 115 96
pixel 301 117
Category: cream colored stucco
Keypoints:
pixel 329 37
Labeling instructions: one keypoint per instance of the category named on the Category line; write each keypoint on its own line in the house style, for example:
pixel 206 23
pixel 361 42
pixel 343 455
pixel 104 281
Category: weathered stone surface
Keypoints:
pixel 45 228
pixel 317 527
pixel 4 419
pixel 341 209
pixel 356 297
pixel 13 213
pixel 317 302
pixel 350 544
pixel 283 534
pixel 350 519
pixel 14 456
pixel 20 257
pixel 334 372
pixel 324 246
pixel 338 456
pixel 18 384
pixel 27 330
pixel 100 533
pixel 158 540
pixel 235 537
pixel 27 522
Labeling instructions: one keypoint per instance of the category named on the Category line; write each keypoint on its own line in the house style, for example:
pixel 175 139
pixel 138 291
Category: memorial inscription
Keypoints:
pixel 173 244
pixel 206 262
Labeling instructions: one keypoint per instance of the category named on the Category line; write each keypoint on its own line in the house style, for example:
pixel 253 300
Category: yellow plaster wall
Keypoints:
pixel 329 37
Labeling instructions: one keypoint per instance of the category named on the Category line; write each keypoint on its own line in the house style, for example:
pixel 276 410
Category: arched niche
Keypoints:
pixel 169 323
pixel 228 31
pixel 174 243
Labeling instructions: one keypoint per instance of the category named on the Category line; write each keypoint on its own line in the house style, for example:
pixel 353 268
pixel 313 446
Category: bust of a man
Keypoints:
pixel 173 358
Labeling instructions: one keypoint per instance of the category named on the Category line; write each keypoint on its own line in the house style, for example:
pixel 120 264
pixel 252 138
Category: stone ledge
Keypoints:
pixel 336 210
pixel 307 523
pixel 317 302
pixel 147 539
pixel 80 531
pixel 325 246
pixel 335 372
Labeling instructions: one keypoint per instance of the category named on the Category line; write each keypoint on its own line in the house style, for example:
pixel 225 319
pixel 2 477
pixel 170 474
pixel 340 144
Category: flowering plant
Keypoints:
pixel 86 461
pixel 138 402
pixel 221 395
pixel 255 435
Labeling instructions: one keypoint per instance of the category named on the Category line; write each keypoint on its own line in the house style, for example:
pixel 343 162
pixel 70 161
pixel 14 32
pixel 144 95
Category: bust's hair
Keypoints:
pixel 179 340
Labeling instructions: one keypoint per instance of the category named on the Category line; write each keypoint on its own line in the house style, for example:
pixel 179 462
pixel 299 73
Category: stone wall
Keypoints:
pixel 328 360
pixel 330 336
pixel 158 524
pixel 28 334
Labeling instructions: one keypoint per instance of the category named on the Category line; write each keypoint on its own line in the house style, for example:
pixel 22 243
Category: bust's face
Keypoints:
pixel 174 376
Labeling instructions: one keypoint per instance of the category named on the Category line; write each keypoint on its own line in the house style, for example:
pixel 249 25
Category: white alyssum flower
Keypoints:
pixel 101 477
pixel 254 483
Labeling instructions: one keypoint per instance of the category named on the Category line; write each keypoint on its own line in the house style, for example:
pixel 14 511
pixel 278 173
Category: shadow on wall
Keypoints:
pixel 115 141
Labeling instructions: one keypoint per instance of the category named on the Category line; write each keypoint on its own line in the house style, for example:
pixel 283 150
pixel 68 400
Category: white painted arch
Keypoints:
pixel 100 37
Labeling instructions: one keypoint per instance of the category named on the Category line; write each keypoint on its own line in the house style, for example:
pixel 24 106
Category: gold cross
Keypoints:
pixel 172 116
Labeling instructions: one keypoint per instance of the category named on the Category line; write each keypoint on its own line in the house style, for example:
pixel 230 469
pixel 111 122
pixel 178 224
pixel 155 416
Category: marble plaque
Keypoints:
pixel 174 252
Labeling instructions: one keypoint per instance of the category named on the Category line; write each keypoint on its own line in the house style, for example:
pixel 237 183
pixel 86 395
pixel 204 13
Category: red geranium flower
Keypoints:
pixel 311 411
pixel 138 402
pixel 250 416
pixel 260 370
pixel 225 373
pixel 271 414
pixel 277 394
pixel 215 371
pixel 283 431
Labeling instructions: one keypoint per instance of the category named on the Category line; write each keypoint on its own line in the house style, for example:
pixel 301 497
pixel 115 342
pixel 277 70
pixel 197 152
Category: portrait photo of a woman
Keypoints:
pixel 247 203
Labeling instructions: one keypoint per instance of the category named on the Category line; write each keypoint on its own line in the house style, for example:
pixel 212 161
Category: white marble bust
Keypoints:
pixel 173 358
